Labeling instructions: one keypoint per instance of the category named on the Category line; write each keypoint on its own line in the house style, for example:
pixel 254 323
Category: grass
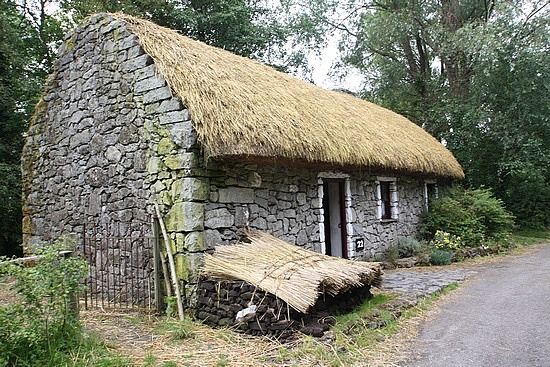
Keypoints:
pixel 177 330
pixel 355 333
pixel 528 237
pixel 90 352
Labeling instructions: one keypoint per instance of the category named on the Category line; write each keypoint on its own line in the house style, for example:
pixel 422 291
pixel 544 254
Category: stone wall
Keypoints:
pixel 220 301
pixel 109 139
pixel 279 200
pixel 287 203
pixel 380 234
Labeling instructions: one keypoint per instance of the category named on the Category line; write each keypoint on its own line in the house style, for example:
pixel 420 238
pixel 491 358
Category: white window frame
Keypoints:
pixel 394 198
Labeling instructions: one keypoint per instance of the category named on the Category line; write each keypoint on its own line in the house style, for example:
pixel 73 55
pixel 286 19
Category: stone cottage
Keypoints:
pixel 134 113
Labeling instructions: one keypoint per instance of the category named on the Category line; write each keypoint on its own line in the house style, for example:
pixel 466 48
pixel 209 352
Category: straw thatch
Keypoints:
pixel 295 275
pixel 242 108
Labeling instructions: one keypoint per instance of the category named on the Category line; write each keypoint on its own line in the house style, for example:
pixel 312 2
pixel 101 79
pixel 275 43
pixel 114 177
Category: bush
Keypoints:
pixel 474 215
pixel 40 326
pixel 441 257
pixel 410 246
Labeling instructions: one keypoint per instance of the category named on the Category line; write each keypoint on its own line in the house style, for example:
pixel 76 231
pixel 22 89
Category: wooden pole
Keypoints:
pixel 156 265
pixel 171 263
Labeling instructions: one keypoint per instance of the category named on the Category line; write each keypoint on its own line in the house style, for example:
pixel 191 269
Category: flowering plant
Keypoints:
pixel 445 241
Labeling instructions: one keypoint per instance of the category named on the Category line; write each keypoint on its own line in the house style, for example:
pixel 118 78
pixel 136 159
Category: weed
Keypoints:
pixel 150 361
pixel 176 329
pixel 41 327
pixel 528 237
pixel 410 246
pixel 222 361
pixel 391 254
pixel 169 364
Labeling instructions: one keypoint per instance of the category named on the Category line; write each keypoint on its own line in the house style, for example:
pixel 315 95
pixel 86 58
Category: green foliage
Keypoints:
pixel 444 65
pixel 10 210
pixel 222 361
pixel 475 216
pixel 530 237
pixel 410 246
pixel 247 28
pixel 20 79
pixel 441 257
pixel 41 327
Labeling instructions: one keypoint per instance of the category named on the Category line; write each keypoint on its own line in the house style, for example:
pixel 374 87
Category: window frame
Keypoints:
pixel 382 205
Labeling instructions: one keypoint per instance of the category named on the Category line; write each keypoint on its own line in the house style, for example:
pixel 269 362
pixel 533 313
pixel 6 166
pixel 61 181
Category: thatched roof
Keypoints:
pixel 295 275
pixel 242 108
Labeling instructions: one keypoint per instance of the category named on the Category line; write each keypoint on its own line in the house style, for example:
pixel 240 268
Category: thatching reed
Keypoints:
pixel 295 275
pixel 242 108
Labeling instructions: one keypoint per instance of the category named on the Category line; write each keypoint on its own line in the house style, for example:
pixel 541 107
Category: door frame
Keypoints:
pixel 345 211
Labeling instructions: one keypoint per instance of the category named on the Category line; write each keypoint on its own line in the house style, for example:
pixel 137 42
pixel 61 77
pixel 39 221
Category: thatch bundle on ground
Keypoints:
pixel 242 108
pixel 293 274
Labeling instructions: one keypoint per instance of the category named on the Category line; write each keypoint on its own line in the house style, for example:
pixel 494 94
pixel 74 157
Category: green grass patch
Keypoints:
pixel 90 352
pixel 528 237
pixel 177 330
pixel 354 331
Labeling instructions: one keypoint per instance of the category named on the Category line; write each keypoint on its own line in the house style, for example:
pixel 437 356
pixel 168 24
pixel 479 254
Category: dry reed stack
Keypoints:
pixel 286 282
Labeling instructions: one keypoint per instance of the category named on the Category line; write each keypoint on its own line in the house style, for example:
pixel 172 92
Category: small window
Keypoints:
pixel 430 193
pixel 385 197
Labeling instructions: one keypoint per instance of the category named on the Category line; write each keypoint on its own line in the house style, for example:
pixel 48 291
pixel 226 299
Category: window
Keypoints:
pixel 431 193
pixel 386 198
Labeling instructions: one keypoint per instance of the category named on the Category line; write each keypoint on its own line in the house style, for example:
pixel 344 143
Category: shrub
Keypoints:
pixel 441 257
pixel 474 215
pixel 410 246
pixel 40 326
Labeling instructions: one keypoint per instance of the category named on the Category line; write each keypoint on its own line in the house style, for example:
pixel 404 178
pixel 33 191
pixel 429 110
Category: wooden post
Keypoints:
pixel 171 263
pixel 159 302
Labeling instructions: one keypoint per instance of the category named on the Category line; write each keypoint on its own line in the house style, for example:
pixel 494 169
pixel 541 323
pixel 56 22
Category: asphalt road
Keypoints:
pixel 500 318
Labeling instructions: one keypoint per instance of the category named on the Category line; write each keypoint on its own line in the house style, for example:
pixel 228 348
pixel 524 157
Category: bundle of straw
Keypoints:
pixel 295 275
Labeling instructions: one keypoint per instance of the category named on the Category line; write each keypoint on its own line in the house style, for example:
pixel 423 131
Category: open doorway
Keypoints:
pixel 335 217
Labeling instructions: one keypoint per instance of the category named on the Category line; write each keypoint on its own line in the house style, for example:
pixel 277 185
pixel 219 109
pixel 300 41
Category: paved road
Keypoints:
pixel 500 318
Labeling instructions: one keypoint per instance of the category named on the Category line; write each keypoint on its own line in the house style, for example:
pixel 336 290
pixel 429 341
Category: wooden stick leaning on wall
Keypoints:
pixel 170 262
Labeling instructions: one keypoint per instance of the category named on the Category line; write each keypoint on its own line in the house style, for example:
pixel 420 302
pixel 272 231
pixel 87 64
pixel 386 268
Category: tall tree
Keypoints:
pixel 20 80
pixel 472 72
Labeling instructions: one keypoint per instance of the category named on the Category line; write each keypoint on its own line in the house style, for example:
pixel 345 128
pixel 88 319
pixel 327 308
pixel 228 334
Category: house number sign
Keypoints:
pixel 359 244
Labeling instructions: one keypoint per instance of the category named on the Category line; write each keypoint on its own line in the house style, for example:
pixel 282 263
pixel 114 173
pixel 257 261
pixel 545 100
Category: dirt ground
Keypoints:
pixel 141 337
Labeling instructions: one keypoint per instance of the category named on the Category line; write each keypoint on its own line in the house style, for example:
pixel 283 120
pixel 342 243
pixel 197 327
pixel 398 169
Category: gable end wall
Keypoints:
pixel 108 140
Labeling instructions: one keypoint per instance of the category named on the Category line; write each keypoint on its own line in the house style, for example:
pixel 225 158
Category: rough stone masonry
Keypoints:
pixel 109 139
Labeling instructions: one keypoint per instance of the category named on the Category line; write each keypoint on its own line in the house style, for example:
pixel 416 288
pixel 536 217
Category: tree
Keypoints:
pixel 474 73
pixel 19 84
pixel 247 28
